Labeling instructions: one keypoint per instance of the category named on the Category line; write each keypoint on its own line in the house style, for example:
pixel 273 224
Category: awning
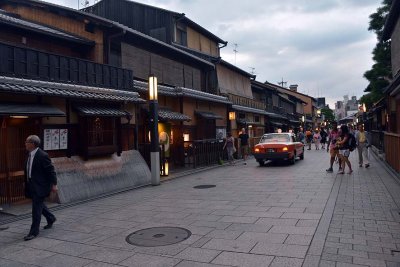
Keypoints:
pixel 248 109
pixel 32 110
pixel 166 114
pixel 242 121
pixel 247 122
pixel 275 116
pixel 100 111
pixel 208 115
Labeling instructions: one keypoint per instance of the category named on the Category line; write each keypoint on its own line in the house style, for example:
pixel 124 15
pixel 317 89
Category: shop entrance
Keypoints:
pixel 13 133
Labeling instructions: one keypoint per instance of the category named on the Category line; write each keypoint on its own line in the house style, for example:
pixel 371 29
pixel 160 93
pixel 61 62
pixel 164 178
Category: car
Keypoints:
pixel 278 146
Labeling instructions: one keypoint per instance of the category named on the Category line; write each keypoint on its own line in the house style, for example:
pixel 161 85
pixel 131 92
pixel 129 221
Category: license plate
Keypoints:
pixel 271 150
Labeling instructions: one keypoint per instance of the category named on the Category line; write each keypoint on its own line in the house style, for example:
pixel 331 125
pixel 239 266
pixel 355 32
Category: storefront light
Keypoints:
pixel 232 115
pixel 186 137
pixel 165 171
pixel 19 117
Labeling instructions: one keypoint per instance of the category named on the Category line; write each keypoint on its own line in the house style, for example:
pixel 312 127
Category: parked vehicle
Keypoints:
pixel 278 146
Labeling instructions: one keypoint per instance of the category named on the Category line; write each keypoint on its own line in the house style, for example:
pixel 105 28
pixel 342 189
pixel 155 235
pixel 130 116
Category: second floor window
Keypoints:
pixel 180 34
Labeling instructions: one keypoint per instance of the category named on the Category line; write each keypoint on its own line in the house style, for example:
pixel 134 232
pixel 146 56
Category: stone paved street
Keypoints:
pixel 276 215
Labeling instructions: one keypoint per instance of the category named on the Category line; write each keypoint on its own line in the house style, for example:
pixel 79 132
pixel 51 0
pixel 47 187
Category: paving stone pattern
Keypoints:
pixel 278 215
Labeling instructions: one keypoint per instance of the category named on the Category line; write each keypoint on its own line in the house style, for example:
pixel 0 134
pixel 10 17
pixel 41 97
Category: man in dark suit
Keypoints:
pixel 40 180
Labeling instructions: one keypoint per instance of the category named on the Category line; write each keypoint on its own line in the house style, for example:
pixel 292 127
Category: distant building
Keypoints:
pixel 321 102
pixel 346 107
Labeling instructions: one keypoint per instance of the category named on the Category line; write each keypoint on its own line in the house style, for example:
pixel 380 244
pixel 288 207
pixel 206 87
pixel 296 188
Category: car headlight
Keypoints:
pixel 256 150
pixel 285 148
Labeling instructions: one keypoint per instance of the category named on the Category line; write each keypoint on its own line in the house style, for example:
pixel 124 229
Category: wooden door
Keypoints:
pixel 13 133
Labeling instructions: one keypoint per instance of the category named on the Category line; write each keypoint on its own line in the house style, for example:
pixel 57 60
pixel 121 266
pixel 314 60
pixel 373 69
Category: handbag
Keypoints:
pixel 234 149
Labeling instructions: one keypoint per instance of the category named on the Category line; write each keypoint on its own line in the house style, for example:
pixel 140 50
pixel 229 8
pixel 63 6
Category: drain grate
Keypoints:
pixel 158 236
pixel 204 186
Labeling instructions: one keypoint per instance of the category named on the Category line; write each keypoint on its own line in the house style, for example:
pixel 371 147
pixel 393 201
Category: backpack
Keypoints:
pixel 351 142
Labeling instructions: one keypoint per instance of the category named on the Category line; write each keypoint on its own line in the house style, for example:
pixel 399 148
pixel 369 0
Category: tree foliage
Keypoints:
pixel 380 73
pixel 329 115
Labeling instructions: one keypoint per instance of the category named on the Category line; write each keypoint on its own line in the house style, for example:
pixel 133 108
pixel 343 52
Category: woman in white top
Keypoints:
pixel 362 146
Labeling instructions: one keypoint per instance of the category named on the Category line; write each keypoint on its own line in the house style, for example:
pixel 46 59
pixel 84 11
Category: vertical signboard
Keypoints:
pixel 47 139
pixel 63 138
pixel 55 139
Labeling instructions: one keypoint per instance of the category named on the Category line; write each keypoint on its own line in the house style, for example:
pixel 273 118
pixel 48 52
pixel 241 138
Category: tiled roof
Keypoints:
pixel 182 91
pixel 208 115
pixel 9 19
pixel 88 110
pixel 25 86
pixel 29 109
pixel 257 111
pixel 166 114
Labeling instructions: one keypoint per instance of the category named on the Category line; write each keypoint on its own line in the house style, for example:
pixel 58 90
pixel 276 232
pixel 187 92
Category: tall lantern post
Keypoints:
pixel 154 146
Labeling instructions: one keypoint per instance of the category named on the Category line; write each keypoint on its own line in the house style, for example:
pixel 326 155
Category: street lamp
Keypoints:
pixel 154 145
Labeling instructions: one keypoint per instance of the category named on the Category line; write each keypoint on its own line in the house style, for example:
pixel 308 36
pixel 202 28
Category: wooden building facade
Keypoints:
pixel 80 108
pixel 392 93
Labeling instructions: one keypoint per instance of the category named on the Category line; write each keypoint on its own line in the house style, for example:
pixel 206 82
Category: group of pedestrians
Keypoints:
pixel 318 137
pixel 229 145
pixel 341 142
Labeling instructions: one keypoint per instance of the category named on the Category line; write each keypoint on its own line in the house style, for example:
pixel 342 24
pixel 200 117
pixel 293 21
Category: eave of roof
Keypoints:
pixel 36 87
pixel 203 30
pixel 182 92
pixel 233 67
pixel 391 20
pixel 110 23
pixel 91 110
pixel 198 53
pixel 283 89
pixel 166 114
pixel 9 19
pixel 182 16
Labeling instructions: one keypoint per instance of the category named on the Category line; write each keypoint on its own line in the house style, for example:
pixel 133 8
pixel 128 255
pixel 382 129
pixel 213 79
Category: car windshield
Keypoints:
pixel 272 138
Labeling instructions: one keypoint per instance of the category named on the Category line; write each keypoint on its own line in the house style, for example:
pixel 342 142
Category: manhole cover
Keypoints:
pixel 158 236
pixel 204 186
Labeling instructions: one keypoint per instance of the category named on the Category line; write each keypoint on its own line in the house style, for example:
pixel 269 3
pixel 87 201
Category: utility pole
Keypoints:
pixel 282 83
pixel 235 51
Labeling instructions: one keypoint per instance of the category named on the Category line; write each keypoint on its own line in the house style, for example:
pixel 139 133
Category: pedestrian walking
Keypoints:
pixel 230 147
pixel 344 149
pixel 309 137
pixel 363 145
pixel 323 134
pixel 300 135
pixel 40 180
pixel 317 139
pixel 244 144
pixel 332 148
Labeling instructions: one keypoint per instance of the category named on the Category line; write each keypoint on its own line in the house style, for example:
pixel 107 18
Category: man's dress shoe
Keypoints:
pixel 50 224
pixel 29 237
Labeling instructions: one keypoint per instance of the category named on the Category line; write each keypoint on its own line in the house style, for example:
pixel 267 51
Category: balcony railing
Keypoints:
pixel 247 102
pixel 32 64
